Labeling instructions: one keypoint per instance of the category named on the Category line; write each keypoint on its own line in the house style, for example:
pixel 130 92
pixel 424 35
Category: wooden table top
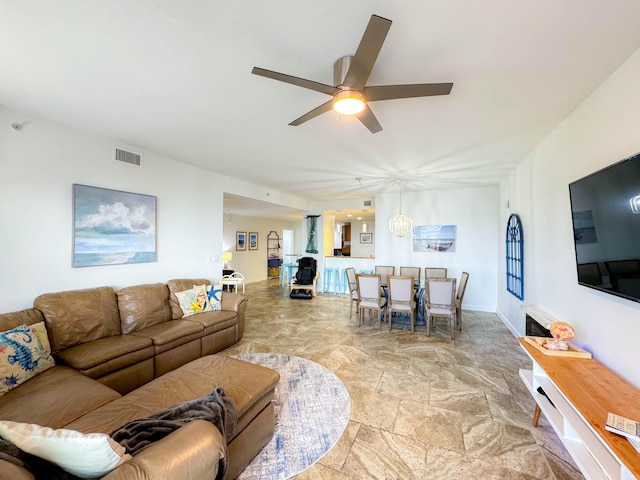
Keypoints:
pixel 594 390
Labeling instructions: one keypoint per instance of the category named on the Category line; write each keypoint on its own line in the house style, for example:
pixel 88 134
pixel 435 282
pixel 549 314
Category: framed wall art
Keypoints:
pixel 241 240
pixel 434 238
pixel 111 227
pixel 366 238
pixel 253 240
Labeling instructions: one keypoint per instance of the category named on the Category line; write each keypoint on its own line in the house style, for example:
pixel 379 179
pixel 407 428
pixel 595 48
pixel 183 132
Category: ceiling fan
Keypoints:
pixel 351 94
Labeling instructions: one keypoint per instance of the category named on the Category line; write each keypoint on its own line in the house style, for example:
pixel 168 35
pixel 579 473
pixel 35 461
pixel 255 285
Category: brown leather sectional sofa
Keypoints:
pixel 127 354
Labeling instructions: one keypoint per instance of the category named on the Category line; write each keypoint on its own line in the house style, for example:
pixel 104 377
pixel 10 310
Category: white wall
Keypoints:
pixel 472 210
pixel 475 215
pixel 603 130
pixel 253 263
pixel 362 249
pixel 39 165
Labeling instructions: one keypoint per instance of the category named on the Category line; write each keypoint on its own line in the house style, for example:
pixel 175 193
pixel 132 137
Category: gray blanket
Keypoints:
pixel 215 408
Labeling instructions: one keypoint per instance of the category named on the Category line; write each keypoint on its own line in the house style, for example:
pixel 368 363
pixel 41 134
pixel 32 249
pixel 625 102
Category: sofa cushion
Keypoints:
pixel 79 316
pixel 11 320
pixel 142 306
pixel 105 355
pixel 72 393
pixel 215 321
pixel 84 455
pixel 180 285
pixel 24 353
pixel 251 386
pixel 171 334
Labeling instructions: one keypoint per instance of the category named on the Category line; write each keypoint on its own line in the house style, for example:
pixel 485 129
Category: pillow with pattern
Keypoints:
pixel 24 353
pixel 193 301
pixel 214 294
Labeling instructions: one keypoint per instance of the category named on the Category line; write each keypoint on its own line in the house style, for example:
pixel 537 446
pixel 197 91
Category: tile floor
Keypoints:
pixel 421 407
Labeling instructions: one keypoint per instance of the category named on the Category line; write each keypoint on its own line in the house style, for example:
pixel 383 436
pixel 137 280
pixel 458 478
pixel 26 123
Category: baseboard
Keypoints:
pixel 511 328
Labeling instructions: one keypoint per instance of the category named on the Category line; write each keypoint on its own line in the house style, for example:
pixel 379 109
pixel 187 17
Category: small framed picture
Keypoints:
pixel 366 238
pixel 253 240
pixel 241 240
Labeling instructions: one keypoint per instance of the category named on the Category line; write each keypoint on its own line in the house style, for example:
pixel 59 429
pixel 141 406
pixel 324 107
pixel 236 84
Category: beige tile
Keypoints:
pixel 350 354
pixel 373 409
pixel 423 407
pixel 359 375
pixel 404 387
pixel 378 454
pixel 458 398
pixel 389 362
pixel 509 445
pixel 437 427
pixel 445 464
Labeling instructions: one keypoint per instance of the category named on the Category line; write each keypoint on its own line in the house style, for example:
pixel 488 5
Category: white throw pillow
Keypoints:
pixel 193 301
pixel 84 455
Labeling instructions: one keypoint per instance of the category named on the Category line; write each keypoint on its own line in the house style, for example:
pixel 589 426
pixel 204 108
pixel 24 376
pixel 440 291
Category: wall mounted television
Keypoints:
pixel 605 208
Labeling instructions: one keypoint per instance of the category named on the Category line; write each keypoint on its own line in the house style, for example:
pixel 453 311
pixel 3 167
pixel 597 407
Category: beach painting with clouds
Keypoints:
pixel 111 227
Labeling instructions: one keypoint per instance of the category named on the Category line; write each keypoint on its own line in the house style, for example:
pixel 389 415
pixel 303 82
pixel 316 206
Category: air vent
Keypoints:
pixel 127 157
pixel 367 203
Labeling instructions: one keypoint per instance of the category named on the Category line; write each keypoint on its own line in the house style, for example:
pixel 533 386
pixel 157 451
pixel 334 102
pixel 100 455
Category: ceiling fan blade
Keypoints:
pixel 389 92
pixel 325 107
pixel 369 120
pixel 298 82
pixel 367 53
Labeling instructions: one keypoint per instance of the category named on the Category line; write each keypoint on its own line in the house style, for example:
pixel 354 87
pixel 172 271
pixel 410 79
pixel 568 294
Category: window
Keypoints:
pixel 515 281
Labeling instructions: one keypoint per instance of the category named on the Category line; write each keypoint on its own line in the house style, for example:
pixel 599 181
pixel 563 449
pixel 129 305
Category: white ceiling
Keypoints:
pixel 174 77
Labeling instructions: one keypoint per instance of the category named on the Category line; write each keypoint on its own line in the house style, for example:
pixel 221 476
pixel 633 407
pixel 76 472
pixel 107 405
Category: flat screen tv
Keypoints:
pixel 605 208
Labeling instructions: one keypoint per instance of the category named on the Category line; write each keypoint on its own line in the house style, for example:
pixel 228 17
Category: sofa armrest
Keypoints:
pixel 193 451
pixel 237 303
pixel 9 471
pixel 233 301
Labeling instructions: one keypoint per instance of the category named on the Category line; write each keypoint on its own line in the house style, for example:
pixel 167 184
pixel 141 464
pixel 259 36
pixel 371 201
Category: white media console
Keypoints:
pixel 581 392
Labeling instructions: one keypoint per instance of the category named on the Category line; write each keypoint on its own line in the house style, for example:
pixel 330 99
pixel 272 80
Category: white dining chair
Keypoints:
pixel 352 288
pixel 384 271
pixel 434 272
pixel 462 286
pixel 369 297
pixel 401 298
pixel 441 301
pixel 413 272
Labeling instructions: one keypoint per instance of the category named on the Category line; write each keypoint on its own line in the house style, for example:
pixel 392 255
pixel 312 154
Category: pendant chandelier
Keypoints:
pixel 400 225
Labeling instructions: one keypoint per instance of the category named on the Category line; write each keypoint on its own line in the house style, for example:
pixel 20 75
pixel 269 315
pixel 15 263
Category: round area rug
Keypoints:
pixel 312 410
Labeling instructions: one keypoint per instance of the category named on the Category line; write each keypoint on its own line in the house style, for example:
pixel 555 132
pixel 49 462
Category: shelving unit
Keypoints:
pixel 583 391
pixel 274 259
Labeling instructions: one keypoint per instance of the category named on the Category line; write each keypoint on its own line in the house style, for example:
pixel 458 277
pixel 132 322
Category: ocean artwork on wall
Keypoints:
pixel 111 227
pixel 434 238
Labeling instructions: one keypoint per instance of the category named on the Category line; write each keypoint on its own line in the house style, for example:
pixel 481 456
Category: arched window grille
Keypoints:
pixel 515 280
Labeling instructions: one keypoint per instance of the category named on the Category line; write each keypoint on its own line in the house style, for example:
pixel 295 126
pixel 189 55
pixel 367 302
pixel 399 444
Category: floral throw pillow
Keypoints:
pixel 193 301
pixel 24 352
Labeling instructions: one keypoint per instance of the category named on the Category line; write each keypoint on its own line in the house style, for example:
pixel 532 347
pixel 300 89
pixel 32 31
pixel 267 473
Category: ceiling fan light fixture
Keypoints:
pixel 348 102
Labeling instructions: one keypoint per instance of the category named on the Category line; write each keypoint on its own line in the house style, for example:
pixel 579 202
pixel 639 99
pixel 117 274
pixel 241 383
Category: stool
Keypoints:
pixel 332 281
pixel 344 282
pixel 286 272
